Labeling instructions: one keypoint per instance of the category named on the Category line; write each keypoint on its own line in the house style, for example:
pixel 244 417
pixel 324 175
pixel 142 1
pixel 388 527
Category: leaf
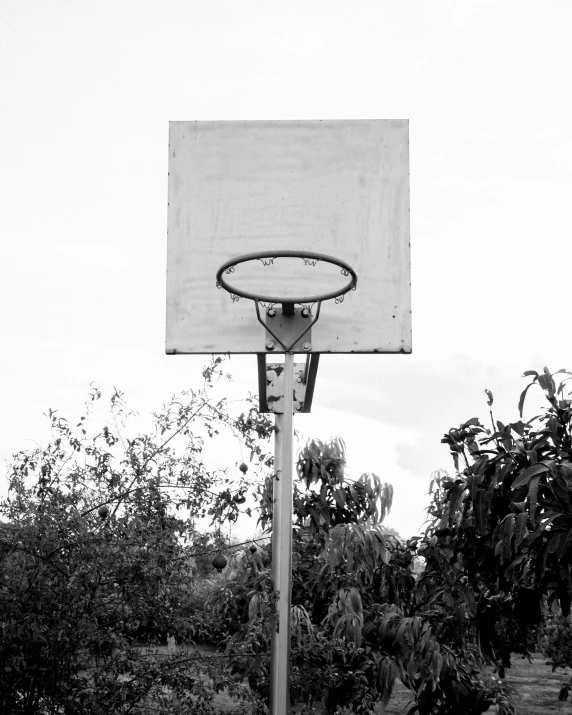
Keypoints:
pixel 385 680
pixel 398 637
pixel 384 557
pixel 546 381
pixel 480 511
pixel 566 469
pixel 563 548
pixel 340 497
pixel 424 638
pixel 525 476
pixel 521 530
pixel 507 530
pixel 253 607
pixel 437 664
pixel 533 495
pixel 553 542
pixel 390 616
pixel 350 559
pixel 473 484
pixel 454 500
pixel 523 397
pixel 469 423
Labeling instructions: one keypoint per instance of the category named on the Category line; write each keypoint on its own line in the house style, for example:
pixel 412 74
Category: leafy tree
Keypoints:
pixel 96 554
pixel 360 617
pixel 504 521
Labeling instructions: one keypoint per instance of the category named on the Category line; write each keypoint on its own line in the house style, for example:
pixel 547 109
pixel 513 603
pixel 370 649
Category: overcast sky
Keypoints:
pixel 87 90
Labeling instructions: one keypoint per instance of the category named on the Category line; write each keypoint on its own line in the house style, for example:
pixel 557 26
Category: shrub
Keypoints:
pixel 80 584
pixel 555 641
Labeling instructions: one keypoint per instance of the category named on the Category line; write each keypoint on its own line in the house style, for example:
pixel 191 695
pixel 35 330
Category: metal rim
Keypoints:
pixel 305 255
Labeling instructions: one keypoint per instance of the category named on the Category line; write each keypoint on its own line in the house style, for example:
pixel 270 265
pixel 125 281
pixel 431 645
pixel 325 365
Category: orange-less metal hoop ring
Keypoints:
pixel 266 257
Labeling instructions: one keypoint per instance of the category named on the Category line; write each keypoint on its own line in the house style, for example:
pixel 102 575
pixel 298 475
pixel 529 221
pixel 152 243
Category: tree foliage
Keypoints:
pixel 96 555
pixel 360 616
pixel 504 521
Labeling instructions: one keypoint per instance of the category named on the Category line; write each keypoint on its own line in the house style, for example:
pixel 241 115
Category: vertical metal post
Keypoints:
pixel 282 547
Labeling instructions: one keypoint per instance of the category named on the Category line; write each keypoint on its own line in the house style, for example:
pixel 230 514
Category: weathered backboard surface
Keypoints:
pixel 337 187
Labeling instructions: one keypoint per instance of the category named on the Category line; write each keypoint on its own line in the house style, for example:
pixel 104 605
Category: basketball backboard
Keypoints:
pixel 335 187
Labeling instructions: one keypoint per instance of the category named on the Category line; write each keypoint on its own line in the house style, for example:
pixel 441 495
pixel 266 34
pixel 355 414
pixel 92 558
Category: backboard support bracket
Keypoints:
pixel 291 329
pixel 271 384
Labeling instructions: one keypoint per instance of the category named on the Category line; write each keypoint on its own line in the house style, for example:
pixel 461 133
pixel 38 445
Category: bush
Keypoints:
pixel 94 555
pixel 360 617
pixel 555 641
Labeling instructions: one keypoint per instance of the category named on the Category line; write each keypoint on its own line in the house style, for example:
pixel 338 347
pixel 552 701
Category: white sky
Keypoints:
pixel 86 93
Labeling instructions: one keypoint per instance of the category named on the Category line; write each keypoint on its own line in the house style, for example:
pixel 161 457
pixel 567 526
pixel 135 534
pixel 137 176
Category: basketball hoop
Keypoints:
pixel 267 258
pixel 268 300
pixel 297 189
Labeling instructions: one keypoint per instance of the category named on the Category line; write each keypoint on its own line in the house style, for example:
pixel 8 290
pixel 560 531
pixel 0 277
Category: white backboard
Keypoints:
pixel 336 187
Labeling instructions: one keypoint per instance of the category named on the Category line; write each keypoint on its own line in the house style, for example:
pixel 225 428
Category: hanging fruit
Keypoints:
pixel 252 548
pixel 243 468
pixel 103 511
pixel 219 562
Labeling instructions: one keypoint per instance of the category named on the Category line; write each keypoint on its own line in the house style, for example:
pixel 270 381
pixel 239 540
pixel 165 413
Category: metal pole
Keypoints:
pixel 282 547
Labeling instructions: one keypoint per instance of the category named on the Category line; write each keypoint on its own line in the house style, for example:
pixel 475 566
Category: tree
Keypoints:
pixel 95 554
pixel 505 519
pixel 360 617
